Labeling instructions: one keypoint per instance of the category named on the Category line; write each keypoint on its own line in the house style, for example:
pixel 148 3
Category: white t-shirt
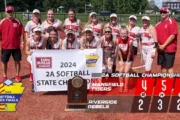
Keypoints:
pixel 115 30
pixel 56 24
pixel 66 45
pixel 133 34
pixel 146 36
pixel 36 44
pixel 30 27
pixel 95 43
pixel 96 29
pixel 75 26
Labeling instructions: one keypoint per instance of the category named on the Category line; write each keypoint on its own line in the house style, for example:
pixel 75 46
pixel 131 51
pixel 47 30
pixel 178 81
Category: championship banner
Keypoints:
pixel 53 68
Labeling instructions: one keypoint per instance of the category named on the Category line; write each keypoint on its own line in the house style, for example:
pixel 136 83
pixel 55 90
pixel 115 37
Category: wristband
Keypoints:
pixel 127 60
pixel 155 44
pixel 154 50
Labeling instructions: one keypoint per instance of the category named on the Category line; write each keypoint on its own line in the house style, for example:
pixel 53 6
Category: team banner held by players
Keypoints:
pixel 53 68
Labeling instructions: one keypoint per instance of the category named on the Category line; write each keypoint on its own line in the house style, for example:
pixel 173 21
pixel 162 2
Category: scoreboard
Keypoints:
pixel 145 95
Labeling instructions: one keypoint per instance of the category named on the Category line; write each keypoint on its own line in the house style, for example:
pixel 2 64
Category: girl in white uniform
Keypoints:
pixel 89 41
pixel 73 23
pixel 94 23
pixel 133 32
pixel 35 42
pixel 108 46
pixel 115 32
pixel 70 42
pixel 53 42
pixel 114 25
pixel 51 21
pixel 149 43
pixel 35 22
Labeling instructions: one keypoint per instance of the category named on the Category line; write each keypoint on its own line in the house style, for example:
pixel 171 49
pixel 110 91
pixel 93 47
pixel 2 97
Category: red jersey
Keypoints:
pixel 124 47
pixel 11 31
pixel 164 30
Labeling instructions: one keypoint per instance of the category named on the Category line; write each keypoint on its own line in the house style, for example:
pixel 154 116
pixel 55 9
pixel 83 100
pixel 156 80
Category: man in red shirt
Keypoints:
pixel 12 35
pixel 167 31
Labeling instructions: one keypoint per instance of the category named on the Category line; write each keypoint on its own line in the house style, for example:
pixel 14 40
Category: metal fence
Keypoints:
pixel 122 18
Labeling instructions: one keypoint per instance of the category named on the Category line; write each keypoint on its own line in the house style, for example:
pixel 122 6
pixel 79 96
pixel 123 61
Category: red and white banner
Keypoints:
pixel 53 68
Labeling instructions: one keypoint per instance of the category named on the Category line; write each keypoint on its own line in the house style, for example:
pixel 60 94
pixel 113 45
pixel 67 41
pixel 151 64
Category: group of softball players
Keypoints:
pixel 120 43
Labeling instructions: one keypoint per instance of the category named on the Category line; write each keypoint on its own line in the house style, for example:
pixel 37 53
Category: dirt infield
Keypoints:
pixel 51 105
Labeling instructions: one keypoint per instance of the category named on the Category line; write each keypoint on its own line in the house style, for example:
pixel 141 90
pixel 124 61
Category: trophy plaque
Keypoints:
pixel 77 94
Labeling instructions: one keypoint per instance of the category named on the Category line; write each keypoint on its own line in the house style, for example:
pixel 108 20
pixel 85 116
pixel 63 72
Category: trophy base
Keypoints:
pixel 76 107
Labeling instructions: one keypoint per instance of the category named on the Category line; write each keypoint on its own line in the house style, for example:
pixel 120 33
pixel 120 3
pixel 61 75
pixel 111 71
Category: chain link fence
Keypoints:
pixel 122 18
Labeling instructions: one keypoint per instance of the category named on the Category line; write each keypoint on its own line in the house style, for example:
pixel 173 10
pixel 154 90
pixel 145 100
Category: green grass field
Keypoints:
pixel 122 18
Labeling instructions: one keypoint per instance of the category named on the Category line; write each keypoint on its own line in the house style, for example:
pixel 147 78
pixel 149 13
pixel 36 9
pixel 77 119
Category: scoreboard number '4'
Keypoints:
pixel 144 85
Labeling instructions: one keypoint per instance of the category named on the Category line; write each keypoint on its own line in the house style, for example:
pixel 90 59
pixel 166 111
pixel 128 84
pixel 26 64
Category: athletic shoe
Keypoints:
pixel 18 79
pixel 32 88
pixel 3 79
pixel 31 77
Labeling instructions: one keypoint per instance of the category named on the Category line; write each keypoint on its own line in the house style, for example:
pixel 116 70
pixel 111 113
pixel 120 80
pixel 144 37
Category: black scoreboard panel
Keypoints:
pixel 148 95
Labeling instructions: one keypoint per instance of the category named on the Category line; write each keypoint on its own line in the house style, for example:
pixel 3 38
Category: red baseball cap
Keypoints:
pixel 9 8
pixel 165 9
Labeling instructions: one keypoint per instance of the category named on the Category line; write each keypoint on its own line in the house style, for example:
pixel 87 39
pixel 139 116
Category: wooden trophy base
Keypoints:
pixel 76 107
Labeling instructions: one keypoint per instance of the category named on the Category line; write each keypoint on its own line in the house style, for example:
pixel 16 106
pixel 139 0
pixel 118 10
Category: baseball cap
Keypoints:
pixel 36 11
pixel 9 8
pixel 133 16
pixel 70 31
pixel 92 13
pixel 88 29
pixel 113 15
pixel 165 9
pixel 37 29
pixel 146 18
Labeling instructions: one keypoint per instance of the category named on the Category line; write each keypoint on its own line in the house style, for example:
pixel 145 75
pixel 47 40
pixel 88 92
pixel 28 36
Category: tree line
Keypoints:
pixel 116 6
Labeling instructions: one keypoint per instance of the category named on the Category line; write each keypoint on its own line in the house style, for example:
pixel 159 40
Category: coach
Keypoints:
pixel 167 31
pixel 11 32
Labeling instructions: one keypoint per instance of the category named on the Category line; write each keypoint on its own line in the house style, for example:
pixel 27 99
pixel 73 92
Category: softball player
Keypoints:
pixel 149 43
pixel 108 46
pixel 133 32
pixel 115 32
pixel 70 42
pixel 125 56
pixel 53 42
pixel 73 23
pixel 96 26
pixel 89 41
pixel 35 22
pixel 51 21
pixel 35 42
pixel 114 25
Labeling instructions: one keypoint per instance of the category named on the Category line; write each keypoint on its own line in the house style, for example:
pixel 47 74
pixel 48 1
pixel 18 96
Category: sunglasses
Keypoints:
pixel 9 11
pixel 37 32
pixel 163 12
pixel 107 31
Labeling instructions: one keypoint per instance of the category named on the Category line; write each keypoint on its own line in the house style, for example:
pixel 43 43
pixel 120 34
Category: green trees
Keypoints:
pixel 117 6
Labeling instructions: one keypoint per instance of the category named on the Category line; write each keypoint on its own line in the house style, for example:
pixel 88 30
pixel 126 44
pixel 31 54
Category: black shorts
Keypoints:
pixel 6 54
pixel 166 59
pixel 130 60
pixel 124 60
pixel 134 49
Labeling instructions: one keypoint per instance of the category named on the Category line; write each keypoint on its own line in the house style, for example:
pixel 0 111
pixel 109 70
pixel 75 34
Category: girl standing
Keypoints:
pixel 148 43
pixel 34 43
pixel 108 46
pixel 73 23
pixel 125 56
pixel 94 23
